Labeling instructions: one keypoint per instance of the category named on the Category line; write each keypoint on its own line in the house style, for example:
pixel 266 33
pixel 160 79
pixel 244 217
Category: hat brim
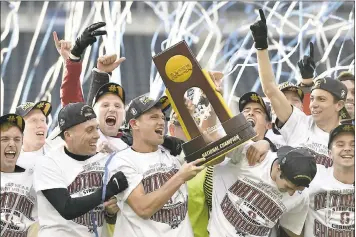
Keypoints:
pixel 110 88
pixel 296 89
pixel 343 128
pixel 247 98
pixel 44 106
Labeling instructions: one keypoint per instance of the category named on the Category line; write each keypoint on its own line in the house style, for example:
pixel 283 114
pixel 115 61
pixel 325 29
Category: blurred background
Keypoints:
pixel 217 32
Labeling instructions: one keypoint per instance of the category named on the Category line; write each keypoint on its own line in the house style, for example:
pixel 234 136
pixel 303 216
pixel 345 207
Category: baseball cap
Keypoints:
pixel 14 119
pixel 346 76
pixel 256 98
pixel 73 114
pixel 297 165
pixel 112 88
pixel 335 87
pixel 288 86
pixel 143 103
pixel 25 108
pixel 350 128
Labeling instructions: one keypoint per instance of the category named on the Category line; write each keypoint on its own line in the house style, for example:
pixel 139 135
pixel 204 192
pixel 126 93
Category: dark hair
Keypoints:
pixel 62 135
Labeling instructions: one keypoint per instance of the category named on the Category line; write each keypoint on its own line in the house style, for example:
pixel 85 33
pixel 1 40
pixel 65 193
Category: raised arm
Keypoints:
pixel 71 90
pixel 307 67
pixel 101 74
pixel 279 102
pixel 145 205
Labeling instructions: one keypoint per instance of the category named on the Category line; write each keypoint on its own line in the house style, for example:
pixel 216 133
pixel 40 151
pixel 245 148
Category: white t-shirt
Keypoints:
pixel 116 143
pixel 247 202
pixel 300 130
pixel 152 170
pixel 28 159
pixel 332 206
pixel 18 203
pixel 276 139
pixel 80 178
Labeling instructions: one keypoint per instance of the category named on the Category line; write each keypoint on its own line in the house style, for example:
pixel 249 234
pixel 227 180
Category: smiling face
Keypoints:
pixel 149 127
pixel 254 112
pixel 343 150
pixel 35 130
pixel 11 142
pixel 323 107
pixel 82 138
pixel 111 112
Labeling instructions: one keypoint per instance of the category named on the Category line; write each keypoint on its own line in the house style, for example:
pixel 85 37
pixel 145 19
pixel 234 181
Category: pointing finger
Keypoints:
pixel 262 15
pixel 311 52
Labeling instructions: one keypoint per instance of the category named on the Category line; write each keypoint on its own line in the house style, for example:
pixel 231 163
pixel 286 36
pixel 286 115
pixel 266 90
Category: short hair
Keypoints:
pixel 346 76
pixel 62 135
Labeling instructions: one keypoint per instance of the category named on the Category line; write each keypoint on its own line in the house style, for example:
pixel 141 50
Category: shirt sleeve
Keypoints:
pixel 294 219
pixel 71 90
pixel 239 153
pixel 47 175
pixel 294 129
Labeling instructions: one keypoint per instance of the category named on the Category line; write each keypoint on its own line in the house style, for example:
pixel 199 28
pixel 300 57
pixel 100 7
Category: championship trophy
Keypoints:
pixel 180 71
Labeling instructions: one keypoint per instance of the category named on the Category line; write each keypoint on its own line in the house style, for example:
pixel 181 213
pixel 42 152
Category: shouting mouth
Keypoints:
pixel 159 131
pixel 110 120
pixel 10 154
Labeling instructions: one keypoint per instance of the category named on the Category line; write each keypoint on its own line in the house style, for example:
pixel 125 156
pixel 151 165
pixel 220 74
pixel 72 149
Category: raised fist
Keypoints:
pixel 87 38
pixel 116 185
pixel 259 32
pixel 108 63
pixel 307 65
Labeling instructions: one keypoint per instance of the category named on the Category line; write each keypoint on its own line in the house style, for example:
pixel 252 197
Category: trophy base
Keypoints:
pixel 238 132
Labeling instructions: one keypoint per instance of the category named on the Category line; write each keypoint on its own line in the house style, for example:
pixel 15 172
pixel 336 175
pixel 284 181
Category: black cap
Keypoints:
pixel 14 119
pixel 297 165
pixel 288 86
pixel 256 98
pixel 335 87
pixel 112 88
pixel 349 128
pixel 73 114
pixel 25 108
pixel 143 103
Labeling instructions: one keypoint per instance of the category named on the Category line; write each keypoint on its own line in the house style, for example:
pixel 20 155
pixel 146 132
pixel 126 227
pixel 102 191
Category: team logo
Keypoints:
pixel 144 99
pixel 133 111
pixel 343 93
pixel 87 112
pixel 27 105
pixel 61 122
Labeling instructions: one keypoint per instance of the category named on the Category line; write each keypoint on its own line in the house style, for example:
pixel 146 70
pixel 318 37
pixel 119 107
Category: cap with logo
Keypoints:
pixel 256 98
pixel 14 119
pixel 336 88
pixel 297 165
pixel 27 107
pixel 288 86
pixel 112 88
pixel 343 128
pixel 143 103
pixel 73 114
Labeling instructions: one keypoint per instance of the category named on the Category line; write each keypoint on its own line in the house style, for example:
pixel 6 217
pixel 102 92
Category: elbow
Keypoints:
pixel 67 216
pixel 144 213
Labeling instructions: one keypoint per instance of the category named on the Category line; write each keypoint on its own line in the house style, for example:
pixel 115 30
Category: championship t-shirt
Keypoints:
pixel 332 206
pixel 80 178
pixel 152 170
pixel 247 202
pixel 300 130
pixel 18 203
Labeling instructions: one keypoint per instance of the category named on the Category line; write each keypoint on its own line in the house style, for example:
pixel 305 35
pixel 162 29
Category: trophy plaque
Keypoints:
pixel 180 71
